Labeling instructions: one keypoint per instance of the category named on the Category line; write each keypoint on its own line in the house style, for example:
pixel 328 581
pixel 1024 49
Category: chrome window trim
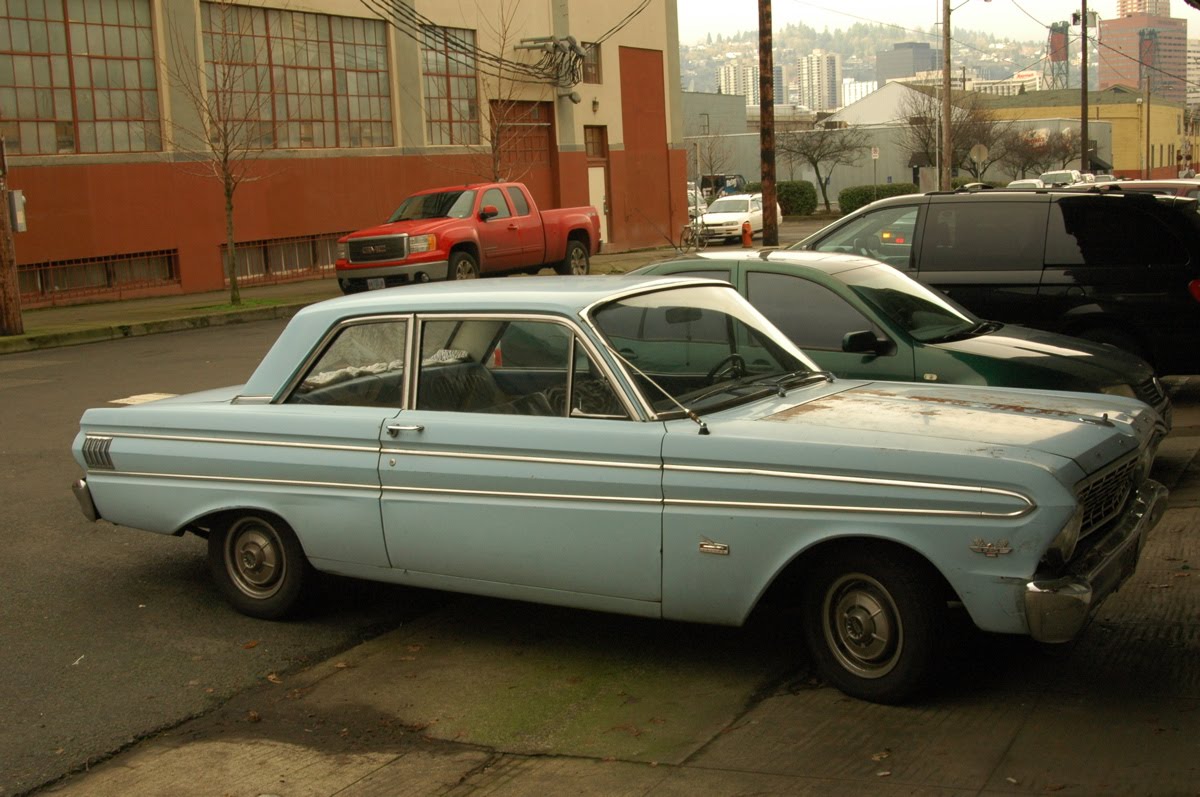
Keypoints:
pixel 577 334
pixel 289 387
pixel 604 499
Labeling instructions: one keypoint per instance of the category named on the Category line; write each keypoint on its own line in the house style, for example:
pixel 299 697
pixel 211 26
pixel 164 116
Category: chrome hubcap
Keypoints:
pixel 254 558
pixel 862 626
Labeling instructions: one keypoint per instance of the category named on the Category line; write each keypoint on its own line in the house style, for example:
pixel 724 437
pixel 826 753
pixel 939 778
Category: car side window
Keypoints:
pixel 495 197
pixel 811 315
pixel 509 367
pixel 363 366
pixel 885 234
pixel 984 236
pixel 520 206
pixel 1107 233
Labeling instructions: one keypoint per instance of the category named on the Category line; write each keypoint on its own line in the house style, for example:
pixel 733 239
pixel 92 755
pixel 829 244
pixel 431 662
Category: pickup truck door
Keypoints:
pixel 529 227
pixel 500 235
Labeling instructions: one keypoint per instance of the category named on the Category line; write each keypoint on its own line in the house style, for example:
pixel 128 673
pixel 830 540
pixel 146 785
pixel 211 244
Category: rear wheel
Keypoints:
pixel 871 620
pixel 576 262
pixel 463 266
pixel 259 565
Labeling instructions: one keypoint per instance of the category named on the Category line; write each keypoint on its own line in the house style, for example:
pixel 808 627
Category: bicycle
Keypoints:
pixel 692 236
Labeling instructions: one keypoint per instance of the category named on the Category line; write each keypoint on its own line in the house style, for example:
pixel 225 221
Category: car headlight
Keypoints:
pixel 422 243
pixel 1063 547
pixel 341 250
pixel 1120 390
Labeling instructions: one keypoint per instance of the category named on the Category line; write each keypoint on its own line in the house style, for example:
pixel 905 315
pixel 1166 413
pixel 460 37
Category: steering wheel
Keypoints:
pixel 732 365
pixel 865 245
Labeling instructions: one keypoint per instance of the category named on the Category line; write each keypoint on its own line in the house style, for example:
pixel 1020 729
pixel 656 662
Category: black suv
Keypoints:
pixel 1113 267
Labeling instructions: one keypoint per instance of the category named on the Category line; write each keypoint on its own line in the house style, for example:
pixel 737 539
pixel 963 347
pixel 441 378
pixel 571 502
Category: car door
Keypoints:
pixel 817 319
pixel 499 235
pixel 987 255
pixel 529 227
pixel 756 214
pixel 518 471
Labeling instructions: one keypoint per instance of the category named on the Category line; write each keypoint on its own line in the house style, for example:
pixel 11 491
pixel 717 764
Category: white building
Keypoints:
pixel 820 80
pixel 854 90
pixel 739 79
pixel 1193 72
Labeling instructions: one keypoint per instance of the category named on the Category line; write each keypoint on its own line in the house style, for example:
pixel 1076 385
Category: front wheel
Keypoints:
pixel 259 565
pixel 576 262
pixel 463 266
pixel 872 620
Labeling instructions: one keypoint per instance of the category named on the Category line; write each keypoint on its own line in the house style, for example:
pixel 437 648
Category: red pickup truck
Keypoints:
pixel 463 232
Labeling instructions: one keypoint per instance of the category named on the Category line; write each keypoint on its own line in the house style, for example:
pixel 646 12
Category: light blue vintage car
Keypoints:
pixel 643 445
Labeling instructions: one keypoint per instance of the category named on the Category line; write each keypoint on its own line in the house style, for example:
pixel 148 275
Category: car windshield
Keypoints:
pixel 700 346
pixel 729 206
pixel 444 204
pixel 927 315
pixel 1058 177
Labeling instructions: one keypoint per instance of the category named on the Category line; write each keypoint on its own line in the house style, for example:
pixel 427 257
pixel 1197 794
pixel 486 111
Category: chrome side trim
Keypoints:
pixel 605 499
pixel 243 480
pixel 241 441
pixel 84 496
pixel 1030 505
pixel 877 510
pixel 599 463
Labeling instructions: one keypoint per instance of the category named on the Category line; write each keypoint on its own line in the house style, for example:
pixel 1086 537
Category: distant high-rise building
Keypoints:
pixel 779 86
pixel 739 79
pixel 1193 72
pixel 854 90
pixel 906 59
pixel 1155 8
pixel 820 80
pixel 1143 51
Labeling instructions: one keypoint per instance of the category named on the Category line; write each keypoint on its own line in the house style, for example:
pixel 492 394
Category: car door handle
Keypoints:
pixel 513 227
pixel 394 430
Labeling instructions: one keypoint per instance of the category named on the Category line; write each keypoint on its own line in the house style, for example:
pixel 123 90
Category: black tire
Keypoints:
pixel 463 266
pixel 576 262
pixel 259 565
pixel 350 286
pixel 873 620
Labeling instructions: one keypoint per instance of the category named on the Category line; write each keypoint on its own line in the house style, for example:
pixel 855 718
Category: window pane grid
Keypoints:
pixel 311 80
pixel 89 103
pixel 450 76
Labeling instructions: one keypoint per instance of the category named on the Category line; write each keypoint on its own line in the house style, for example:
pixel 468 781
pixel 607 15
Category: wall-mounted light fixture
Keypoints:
pixel 573 96
pixel 595 104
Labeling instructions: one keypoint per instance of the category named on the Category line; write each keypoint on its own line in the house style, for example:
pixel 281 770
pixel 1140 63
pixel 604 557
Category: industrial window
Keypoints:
pixel 450 74
pixel 591 62
pixel 114 276
pixel 284 259
pixel 523 131
pixel 595 141
pixel 78 77
pixel 297 80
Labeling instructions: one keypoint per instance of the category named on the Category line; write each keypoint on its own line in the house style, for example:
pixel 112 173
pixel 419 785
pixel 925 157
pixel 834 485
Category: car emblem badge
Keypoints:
pixel 990 549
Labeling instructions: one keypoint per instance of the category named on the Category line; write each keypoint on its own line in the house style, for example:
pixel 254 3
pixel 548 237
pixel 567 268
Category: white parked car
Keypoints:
pixel 1062 177
pixel 1032 182
pixel 725 216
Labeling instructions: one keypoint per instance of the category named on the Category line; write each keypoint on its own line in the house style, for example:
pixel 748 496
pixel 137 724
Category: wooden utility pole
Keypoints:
pixel 1085 165
pixel 10 288
pixel 947 144
pixel 766 119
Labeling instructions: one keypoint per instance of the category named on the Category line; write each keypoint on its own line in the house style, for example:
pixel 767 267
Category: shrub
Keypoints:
pixel 796 197
pixel 855 196
pixel 753 188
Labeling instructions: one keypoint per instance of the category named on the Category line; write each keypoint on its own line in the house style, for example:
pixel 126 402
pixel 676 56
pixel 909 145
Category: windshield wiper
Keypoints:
pixel 801 378
pixel 689 413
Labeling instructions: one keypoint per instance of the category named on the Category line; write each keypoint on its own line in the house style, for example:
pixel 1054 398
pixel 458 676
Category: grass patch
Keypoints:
pixel 246 304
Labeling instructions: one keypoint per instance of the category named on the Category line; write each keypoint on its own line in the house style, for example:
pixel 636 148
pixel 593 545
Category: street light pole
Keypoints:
pixel 1085 165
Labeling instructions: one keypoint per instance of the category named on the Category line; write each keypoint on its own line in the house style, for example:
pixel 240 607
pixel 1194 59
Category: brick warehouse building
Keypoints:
pixel 354 104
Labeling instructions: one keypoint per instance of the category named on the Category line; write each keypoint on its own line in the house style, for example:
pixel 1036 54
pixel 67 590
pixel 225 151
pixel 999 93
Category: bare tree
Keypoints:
pixel 1064 146
pixel 823 149
pixel 713 156
pixel 971 123
pixel 227 86
pixel 1026 151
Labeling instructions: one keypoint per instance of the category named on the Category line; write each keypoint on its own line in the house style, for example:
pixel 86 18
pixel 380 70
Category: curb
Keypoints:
pixel 49 340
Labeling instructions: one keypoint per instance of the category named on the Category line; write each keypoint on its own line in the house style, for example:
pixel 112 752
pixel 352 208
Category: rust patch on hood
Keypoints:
pixel 924 404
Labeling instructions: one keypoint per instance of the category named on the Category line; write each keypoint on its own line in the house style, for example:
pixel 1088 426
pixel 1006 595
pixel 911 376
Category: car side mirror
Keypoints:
pixel 864 342
pixel 488 212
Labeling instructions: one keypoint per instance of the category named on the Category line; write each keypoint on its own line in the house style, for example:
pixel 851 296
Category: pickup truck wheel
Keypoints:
pixel 259 566
pixel 576 262
pixel 871 621
pixel 463 266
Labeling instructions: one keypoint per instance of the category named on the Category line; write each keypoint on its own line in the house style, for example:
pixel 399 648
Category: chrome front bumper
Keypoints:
pixel 435 269
pixel 84 496
pixel 1058 609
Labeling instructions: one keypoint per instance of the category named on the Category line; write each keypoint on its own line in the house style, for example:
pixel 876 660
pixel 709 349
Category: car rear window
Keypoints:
pixel 1096 231
pixel 984 236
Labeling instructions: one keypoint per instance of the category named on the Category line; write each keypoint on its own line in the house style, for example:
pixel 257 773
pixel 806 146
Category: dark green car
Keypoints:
pixel 862 319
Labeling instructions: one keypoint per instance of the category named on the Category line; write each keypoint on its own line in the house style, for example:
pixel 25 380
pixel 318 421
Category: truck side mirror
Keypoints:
pixel 488 212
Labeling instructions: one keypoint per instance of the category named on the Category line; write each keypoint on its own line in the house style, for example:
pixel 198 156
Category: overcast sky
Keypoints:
pixel 698 18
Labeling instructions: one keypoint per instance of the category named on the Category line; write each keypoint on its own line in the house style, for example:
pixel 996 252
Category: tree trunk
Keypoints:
pixel 824 188
pixel 235 295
